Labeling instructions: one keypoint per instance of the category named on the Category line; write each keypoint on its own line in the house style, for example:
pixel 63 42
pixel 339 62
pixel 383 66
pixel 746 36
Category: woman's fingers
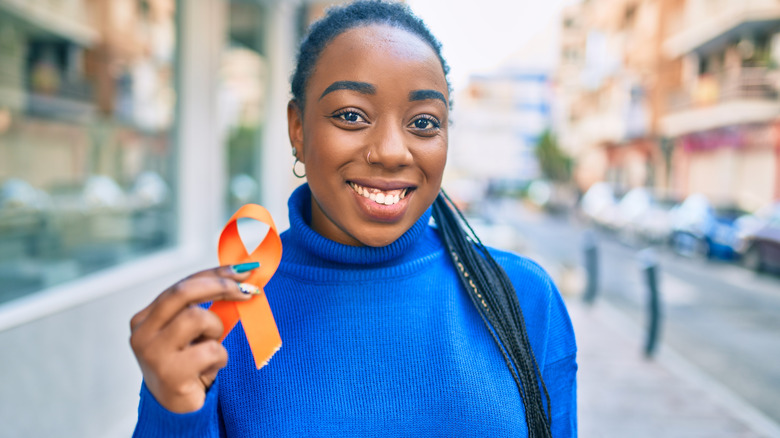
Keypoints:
pixel 192 324
pixel 237 273
pixel 179 379
pixel 202 358
pixel 185 293
pixel 176 341
pixel 207 377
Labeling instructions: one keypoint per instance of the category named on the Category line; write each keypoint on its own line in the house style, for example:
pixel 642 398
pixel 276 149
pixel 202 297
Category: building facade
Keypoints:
pixel 677 95
pixel 129 132
pixel 722 118
pixel 608 89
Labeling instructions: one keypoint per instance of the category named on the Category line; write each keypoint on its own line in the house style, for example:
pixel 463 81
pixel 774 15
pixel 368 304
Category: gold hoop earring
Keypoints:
pixel 296 173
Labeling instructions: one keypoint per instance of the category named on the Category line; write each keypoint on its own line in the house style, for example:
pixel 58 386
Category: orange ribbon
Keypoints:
pixel 255 314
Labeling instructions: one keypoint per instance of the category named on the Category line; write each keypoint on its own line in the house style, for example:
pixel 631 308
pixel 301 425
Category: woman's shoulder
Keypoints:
pixel 543 306
pixel 522 269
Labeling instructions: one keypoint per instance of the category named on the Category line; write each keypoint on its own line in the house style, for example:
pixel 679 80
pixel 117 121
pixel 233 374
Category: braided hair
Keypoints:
pixel 485 281
pixel 495 298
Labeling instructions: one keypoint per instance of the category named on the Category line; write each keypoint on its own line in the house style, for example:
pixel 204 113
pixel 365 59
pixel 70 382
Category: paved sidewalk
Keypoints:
pixel 622 394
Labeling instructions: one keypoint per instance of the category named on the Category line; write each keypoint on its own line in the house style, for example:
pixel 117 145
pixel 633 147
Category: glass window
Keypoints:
pixel 87 108
pixel 242 97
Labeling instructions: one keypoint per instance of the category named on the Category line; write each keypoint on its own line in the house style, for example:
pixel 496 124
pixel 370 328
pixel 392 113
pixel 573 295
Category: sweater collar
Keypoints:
pixel 299 206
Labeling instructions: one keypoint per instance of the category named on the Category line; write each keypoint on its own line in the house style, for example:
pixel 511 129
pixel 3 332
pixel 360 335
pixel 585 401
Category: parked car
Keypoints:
pixel 641 217
pixel 701 229
pixel 629 209
pixel 655 226
pixel 759 239
pixel 598 204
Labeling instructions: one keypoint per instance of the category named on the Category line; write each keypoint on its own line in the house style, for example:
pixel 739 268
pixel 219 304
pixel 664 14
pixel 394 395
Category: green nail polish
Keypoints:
pixel 245 267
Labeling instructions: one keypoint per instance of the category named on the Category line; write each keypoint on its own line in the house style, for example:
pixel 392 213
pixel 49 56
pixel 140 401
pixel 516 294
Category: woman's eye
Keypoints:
pixel 349 116
pixel 425 124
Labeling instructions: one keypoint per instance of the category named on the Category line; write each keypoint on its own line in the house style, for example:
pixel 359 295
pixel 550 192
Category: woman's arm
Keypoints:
pixel 560 378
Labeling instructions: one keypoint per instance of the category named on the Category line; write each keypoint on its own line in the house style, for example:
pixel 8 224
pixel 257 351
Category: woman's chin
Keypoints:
pixel 378 240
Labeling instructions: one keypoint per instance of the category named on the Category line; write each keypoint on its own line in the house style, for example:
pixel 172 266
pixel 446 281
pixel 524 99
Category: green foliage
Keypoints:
pixel 241 150
pixel 554 164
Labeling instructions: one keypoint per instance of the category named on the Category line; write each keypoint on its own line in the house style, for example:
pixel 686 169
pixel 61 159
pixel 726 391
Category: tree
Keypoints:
pixel 554 164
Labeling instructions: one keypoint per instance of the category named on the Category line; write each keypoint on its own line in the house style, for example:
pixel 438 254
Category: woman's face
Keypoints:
pixel 373 134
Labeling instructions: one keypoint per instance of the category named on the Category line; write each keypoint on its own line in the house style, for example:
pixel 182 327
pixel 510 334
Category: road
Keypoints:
pixel 720 317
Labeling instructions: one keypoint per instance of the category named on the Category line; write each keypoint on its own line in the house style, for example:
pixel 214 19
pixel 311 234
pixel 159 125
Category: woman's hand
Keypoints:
pixel 176 342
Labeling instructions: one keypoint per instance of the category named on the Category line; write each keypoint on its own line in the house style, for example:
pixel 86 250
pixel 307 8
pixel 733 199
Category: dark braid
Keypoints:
pixel 485 281
pixel 495 297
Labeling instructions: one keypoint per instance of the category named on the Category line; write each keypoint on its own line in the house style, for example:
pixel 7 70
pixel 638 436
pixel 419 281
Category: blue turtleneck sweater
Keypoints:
pixel 380 342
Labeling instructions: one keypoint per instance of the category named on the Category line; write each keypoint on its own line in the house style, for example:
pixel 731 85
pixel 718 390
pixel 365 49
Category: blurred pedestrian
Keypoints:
pixel 391 327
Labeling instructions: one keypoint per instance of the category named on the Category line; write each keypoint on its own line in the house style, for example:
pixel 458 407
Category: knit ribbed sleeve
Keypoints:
pixel 159 422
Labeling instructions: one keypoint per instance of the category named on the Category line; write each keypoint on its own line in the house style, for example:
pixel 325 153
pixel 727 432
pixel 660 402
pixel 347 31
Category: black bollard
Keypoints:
pixel 591 266
pixel 649 263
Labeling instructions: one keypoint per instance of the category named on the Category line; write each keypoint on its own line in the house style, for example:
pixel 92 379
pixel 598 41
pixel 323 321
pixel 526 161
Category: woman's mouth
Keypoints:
pixel 381 197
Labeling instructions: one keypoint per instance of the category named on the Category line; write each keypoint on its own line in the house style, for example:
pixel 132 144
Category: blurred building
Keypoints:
pixel 607 92
pixel 129 132
pixel 722 115
pixel 678 95
pixel 499 118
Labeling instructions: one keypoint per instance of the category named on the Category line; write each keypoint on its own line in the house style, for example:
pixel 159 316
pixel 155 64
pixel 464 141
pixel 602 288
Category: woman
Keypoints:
pixel 391 327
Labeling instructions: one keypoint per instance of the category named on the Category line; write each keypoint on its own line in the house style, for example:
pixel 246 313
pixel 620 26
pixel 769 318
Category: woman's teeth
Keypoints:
pixel 389 197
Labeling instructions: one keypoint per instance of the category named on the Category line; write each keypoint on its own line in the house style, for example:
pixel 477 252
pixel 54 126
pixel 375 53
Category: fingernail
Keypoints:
pixel 245 267
pixel 248 289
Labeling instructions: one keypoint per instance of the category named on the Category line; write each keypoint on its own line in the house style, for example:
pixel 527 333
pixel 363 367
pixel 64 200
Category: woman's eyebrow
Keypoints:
pixel 360 87
pixel 426 94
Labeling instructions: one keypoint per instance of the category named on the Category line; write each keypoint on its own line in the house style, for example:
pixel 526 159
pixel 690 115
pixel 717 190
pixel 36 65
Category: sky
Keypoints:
pixel 481 35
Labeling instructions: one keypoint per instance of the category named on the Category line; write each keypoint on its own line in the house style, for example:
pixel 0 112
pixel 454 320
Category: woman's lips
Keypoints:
pixel 382 197
pixel 382 205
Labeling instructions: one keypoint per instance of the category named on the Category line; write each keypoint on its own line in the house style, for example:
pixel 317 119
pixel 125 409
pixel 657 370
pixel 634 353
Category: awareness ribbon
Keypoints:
pixel 255 315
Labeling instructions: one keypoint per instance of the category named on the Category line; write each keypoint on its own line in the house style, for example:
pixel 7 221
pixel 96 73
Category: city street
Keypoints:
pixel 718 316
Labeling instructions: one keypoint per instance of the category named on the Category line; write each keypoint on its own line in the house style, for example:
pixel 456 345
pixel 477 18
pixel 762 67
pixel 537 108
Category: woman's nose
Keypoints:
pixel 388 147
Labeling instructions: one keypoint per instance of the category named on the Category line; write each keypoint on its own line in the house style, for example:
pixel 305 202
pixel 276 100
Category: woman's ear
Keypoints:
pixel 295 128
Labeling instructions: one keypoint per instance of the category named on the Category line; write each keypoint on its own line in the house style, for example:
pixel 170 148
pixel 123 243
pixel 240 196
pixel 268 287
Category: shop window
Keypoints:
pixel 87 108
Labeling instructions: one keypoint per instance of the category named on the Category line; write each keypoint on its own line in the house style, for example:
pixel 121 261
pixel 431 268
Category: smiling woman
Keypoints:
pixel 358 109
pixel 391 327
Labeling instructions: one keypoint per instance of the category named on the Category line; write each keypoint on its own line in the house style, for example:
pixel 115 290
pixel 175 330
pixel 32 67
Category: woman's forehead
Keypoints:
pixel 379 37
pixel 376 52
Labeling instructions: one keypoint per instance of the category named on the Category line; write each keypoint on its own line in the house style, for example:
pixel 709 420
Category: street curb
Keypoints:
pixel 677 364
